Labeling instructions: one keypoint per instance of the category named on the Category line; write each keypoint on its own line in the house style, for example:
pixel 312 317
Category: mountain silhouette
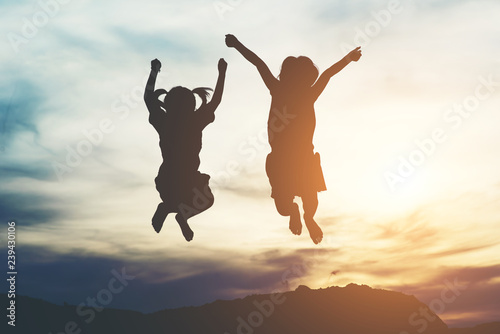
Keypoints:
pixel 354 309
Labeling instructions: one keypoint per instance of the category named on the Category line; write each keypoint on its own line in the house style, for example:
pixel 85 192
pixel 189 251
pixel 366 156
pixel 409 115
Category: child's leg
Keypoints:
pixel 160 215
pixel 310 204
pixel 165 207
pixel 201 201
pixel 186 230
pixel 286 207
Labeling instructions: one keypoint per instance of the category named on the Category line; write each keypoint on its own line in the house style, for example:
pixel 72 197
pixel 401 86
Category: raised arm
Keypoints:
pixel 150 84
pixel 265 73
pixel 324 78
pixel 151 96
pixel 219 87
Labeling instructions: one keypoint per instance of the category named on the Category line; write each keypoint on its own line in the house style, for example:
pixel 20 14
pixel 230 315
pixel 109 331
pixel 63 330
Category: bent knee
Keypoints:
pixel 205 200
pixel 284 206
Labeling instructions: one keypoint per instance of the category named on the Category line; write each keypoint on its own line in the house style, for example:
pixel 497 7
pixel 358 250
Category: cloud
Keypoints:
pixel 20 110
pixel 67 78
pixel 159 283
pixel 412 228
pixel 29 209
pixel 468 295
pixel 460 250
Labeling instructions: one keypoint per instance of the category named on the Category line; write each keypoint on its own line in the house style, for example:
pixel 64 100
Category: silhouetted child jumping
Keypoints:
pixel 292 166
pixel 183 189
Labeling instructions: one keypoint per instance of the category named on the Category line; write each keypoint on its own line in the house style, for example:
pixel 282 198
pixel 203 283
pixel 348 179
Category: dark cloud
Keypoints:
pixel 21 109
pixel 158 284
pixel 37 172
pixel 283 259
pixel 461 291
pixel 20 112
pixel 28 209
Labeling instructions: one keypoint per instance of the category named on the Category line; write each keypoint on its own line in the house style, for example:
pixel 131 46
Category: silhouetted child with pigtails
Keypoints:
pixel 183 189
pixel 292 166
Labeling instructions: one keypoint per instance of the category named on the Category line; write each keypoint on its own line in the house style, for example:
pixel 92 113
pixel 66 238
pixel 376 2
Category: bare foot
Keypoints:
pixel 186 230
pixel 314 230
pixel 295 223
pixel 159 217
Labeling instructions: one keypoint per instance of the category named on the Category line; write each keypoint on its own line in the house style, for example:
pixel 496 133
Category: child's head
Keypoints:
pixel 298 71
pixel 181 100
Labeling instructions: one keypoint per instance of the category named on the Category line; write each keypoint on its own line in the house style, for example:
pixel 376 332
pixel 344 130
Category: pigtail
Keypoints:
pixel 156 95
pixel 203 93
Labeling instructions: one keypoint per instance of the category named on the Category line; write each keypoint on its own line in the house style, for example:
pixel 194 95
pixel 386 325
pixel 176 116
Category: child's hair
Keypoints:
pixel 182 99
pixel 298 70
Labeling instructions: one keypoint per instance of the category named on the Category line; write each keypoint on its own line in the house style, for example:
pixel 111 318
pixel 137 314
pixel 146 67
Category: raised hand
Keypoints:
pixel 155 65
pixel 355 54
pixel 231 41
pixel 222 65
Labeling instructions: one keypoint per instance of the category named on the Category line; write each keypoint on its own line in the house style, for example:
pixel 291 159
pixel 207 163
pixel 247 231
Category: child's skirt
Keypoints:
pixel 184 190
pixel 291 174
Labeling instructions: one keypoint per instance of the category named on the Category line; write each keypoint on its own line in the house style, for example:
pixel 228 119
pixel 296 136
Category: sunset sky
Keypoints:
pixel 408 138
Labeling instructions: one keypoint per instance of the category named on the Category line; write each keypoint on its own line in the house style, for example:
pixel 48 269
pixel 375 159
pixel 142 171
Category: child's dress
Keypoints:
pixel 292 166
pixel 178 178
